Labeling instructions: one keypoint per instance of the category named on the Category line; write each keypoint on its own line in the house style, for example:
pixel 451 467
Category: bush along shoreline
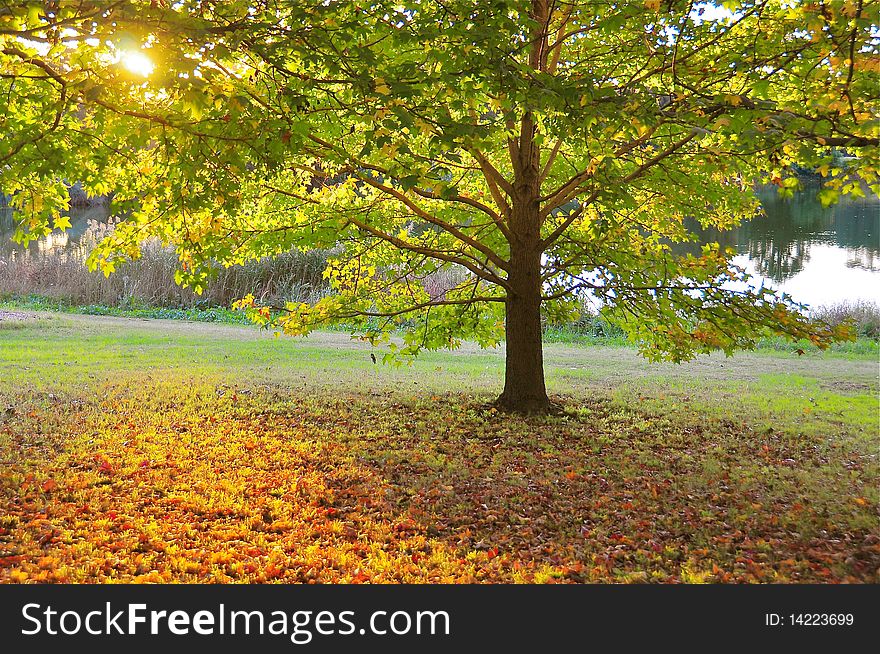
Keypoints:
pixel 56 279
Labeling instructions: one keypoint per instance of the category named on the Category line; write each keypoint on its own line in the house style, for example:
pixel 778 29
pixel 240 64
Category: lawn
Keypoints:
pixel 166 451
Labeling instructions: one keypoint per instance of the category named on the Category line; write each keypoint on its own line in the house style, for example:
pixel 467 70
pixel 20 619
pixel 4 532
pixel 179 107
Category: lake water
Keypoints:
pixel 817 255
pixel 85 223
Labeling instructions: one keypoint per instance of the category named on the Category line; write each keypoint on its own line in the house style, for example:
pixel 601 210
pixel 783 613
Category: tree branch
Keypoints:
pixel 480 272
pixel 450 229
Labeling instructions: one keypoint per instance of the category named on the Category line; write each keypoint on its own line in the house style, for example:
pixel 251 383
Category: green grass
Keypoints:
pixel 162 450
pixel 593 331
pixel 43 303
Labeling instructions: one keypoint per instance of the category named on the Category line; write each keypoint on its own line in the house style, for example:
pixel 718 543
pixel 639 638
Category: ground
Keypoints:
pixel 9 316
pixel 149 450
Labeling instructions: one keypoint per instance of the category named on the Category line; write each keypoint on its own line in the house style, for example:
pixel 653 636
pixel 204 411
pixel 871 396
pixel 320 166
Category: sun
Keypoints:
pixel 137 63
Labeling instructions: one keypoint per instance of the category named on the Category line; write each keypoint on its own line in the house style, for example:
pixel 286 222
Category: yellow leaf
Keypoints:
pixel 18 576
pixel 381 86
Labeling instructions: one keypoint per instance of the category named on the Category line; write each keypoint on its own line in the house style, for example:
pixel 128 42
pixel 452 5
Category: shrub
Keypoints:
pixel 864 314
pixel 60 273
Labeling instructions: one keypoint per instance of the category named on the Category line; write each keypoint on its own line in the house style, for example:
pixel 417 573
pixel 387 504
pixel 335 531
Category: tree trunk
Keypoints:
pixel 524 389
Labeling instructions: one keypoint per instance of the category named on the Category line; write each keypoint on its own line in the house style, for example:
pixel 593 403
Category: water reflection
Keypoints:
pixel 70 242
pixel 819 255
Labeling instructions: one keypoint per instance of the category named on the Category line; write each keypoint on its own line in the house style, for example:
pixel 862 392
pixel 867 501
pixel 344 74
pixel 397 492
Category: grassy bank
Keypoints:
pixel 41 303
pixel 170 451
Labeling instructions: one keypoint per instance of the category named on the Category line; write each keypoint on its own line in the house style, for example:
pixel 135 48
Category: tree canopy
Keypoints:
pixel 474 166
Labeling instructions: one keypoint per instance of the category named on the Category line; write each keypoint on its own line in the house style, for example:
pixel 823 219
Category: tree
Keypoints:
pixel 475 165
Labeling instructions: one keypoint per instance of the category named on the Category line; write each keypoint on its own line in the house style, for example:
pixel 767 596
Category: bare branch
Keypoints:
pixel 451 229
